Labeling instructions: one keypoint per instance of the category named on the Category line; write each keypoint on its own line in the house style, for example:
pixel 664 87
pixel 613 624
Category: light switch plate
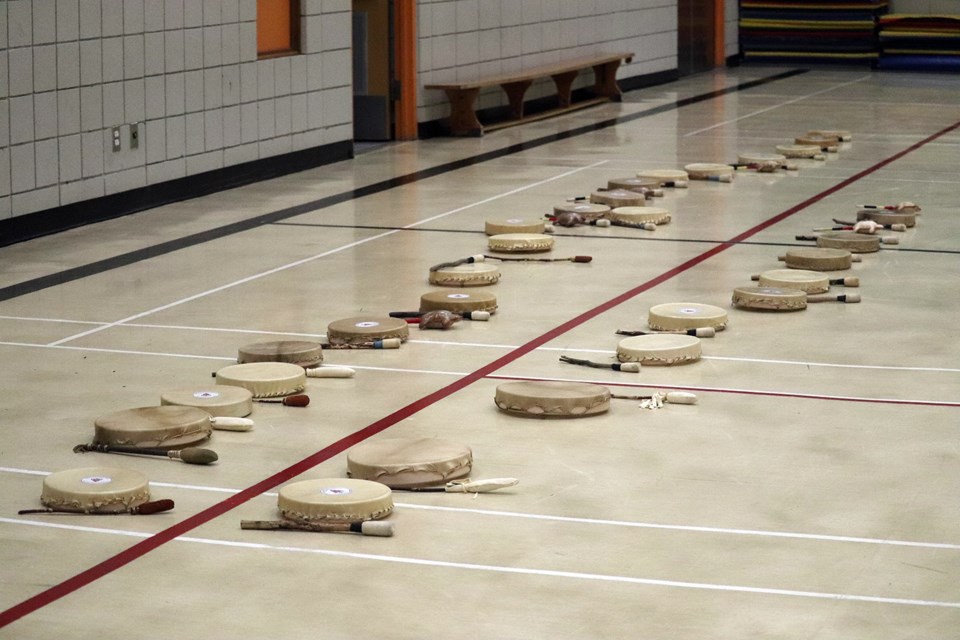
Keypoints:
pixel 134 135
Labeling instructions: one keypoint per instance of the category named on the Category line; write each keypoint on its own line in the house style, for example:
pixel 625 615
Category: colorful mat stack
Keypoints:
pixel 920 42
pixel 844 31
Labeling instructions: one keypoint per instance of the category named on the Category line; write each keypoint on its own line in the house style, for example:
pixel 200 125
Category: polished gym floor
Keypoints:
pixel 811 493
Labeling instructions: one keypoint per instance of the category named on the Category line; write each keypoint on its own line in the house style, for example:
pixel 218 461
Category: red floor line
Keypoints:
pixel 755 392
pixel 127 556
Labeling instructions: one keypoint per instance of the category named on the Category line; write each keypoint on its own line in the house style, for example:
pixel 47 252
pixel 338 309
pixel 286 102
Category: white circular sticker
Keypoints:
pixel 206 394
pixel 96 480
pixel 688 310
pixel 336 491
pixel 368 324
pixel 459 295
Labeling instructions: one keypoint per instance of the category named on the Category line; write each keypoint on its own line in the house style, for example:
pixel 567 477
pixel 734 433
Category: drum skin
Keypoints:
pixel 549 399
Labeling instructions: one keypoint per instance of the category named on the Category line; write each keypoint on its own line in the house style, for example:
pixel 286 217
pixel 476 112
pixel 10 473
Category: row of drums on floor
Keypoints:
pixel 277 372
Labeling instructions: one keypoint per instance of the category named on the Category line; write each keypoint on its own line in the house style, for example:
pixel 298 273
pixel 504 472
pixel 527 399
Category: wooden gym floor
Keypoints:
pixel 811 493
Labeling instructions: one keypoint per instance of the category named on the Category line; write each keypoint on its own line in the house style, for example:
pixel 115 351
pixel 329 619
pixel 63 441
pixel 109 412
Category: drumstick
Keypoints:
pixel 470 486
pixel 299 400
pixel 626 367
pixel 572 259
pixel 190 455
pixel 883 239
pixel 367 527
pixel 466 315
pixel 145 509
pixel 859 227
pixel 386 343
pixel 673 397
pixel 768 166
pixel 853 258
pixel 851 281
pixel 826 297
pixel 700 332
pixel 904 207
pixel 329 371
pixel 457 263
pixel 721 178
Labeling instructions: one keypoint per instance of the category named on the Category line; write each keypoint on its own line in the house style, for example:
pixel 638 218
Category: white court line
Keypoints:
pixel 754 392
pixel 298 263
pixel 445 343
pixel 813 396
pixel 651 582
pixel 589 521
pixel 777 106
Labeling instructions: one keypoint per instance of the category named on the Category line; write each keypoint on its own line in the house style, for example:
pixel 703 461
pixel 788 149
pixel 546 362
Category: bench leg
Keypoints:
pixel 463 117
pixel 564 82
pixel 606 80
pixel 515 92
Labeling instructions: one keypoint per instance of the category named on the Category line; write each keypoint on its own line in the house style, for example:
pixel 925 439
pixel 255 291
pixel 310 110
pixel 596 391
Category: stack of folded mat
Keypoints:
pixel 843 31
pixel 921 42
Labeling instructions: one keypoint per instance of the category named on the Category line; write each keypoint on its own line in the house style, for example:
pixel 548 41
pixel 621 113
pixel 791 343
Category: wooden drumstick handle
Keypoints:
pixel 479 486
pixel 190 455
pixel 386 343
pixel 826 297
pixel 571 259
pixel 853 258
pixel 482 316
pixel 700 332
pixel 145 509
pixel 625 367
pixel 457 263
pixel 299 400
pixel 673 397
pixel 367 527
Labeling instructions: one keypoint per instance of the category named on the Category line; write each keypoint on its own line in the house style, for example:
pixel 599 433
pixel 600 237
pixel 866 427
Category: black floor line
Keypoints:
pixel 101 266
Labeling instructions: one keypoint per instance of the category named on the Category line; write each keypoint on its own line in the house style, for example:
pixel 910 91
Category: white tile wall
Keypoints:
pixel 187 70
pixel 459 39
pixel 45 123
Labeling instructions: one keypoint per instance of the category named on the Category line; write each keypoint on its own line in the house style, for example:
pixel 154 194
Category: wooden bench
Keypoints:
pixel 463 95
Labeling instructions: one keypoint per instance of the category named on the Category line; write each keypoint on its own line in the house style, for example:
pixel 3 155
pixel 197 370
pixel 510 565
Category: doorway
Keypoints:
pixel 699 35
pixel 372 70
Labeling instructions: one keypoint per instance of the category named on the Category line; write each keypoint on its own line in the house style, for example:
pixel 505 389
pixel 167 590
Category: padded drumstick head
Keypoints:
pixel 582 259
pixel 296 401
pixel 153 507
pixel 376 528
pixel 630 367
pixel 680 397
pixel 889 240
pixel 705 332
pixel 193 455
